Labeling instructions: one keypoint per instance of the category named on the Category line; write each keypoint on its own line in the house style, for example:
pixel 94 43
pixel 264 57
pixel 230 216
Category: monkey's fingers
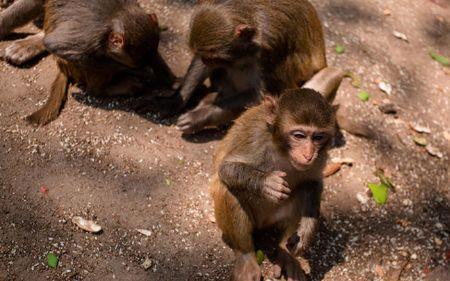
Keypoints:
pixel 277 196
pixel 280 173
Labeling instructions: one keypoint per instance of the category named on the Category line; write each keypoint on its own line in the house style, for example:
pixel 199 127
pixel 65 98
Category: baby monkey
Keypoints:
pixel 268 173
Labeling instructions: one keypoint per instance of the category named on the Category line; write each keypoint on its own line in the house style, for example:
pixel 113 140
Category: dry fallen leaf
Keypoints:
pixel 434 151
pixel 420 141
pixel 385 87
pixel 147 263
pixel 86 225
pixel 332 169
pixel 419 128
pixel 400 35
pixel 145 232
pixel 346 161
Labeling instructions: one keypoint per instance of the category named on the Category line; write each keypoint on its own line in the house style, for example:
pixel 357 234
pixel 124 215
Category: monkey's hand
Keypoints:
pixel 275 187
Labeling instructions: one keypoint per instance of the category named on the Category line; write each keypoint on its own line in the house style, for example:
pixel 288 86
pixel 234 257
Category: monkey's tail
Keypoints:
pixel 55 103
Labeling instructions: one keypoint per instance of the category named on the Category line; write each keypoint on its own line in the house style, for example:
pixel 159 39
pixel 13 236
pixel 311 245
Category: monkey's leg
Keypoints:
pixel 214 111
pixel 24 50
pixel 308 204
pixel 237 231
pixel 286 262
pixel 19 13
pixel 55 102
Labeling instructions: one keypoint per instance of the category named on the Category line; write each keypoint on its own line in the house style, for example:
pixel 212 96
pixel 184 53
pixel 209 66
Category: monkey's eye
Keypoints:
pixel 299 135
pixel 319 137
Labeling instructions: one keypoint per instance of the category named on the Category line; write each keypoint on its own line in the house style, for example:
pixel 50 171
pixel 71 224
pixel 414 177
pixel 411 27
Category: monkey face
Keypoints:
pixel 304 144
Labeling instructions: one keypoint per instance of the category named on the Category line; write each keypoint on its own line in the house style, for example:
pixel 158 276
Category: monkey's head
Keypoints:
pixel 303 125
pixel 219 38
pixel 133 38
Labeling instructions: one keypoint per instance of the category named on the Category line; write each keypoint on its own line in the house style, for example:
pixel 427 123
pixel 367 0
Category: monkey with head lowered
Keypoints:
pixel 104 46
pixel 268 174
pixel 243 47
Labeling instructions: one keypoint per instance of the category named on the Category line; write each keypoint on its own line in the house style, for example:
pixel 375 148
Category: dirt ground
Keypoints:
pixel 101 161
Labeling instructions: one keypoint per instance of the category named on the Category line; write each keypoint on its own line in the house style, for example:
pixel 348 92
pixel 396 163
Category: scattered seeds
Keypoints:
pixel 387 12
pixel 86 225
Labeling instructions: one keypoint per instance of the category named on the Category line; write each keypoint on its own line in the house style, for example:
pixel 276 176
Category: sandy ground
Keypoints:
pixel 104 162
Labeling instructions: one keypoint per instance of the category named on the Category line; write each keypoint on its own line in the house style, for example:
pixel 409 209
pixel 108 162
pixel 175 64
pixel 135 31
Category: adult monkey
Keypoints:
pixel 102 45
pixel 245 46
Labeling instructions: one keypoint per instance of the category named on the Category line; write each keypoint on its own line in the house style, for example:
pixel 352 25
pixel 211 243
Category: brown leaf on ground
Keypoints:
pixel 332 169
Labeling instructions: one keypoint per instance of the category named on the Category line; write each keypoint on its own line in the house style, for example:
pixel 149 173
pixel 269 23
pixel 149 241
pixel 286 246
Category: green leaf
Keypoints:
pixel 52 260
pixel 260 257
pixel 167 181
pixel 440 59
pixel 379 192
pixel 339 49
pixel 364 96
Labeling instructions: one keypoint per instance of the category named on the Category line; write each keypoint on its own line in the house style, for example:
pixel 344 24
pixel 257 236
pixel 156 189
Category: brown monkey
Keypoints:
pixel 245 46
pixel 102 45
pixel 268 173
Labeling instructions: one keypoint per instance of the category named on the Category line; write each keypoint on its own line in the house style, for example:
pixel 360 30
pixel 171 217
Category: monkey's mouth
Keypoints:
pixel 299 165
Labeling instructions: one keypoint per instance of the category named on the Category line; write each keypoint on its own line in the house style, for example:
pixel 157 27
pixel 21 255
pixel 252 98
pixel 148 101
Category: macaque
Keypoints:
pixel 245 47
pixel 103 46
pixel 268 173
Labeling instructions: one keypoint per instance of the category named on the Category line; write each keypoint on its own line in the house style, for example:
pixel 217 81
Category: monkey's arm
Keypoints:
pixel 196 74
pixel 162 71
pixel 239 176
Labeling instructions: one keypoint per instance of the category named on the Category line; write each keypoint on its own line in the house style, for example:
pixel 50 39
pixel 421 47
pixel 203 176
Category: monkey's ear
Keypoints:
pixel 271 106
pixel 116 38
pixel 245 31
pixel 153 18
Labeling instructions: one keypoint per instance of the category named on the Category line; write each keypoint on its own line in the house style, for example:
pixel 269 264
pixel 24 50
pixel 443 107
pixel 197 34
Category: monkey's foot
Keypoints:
pixel 246 268
pixel 42 117
pixel 289 265
pixel 22 51
pixel 193 121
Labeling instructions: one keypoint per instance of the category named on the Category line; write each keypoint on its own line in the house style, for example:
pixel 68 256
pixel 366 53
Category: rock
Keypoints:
pixel 440 273
pixel 388 108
